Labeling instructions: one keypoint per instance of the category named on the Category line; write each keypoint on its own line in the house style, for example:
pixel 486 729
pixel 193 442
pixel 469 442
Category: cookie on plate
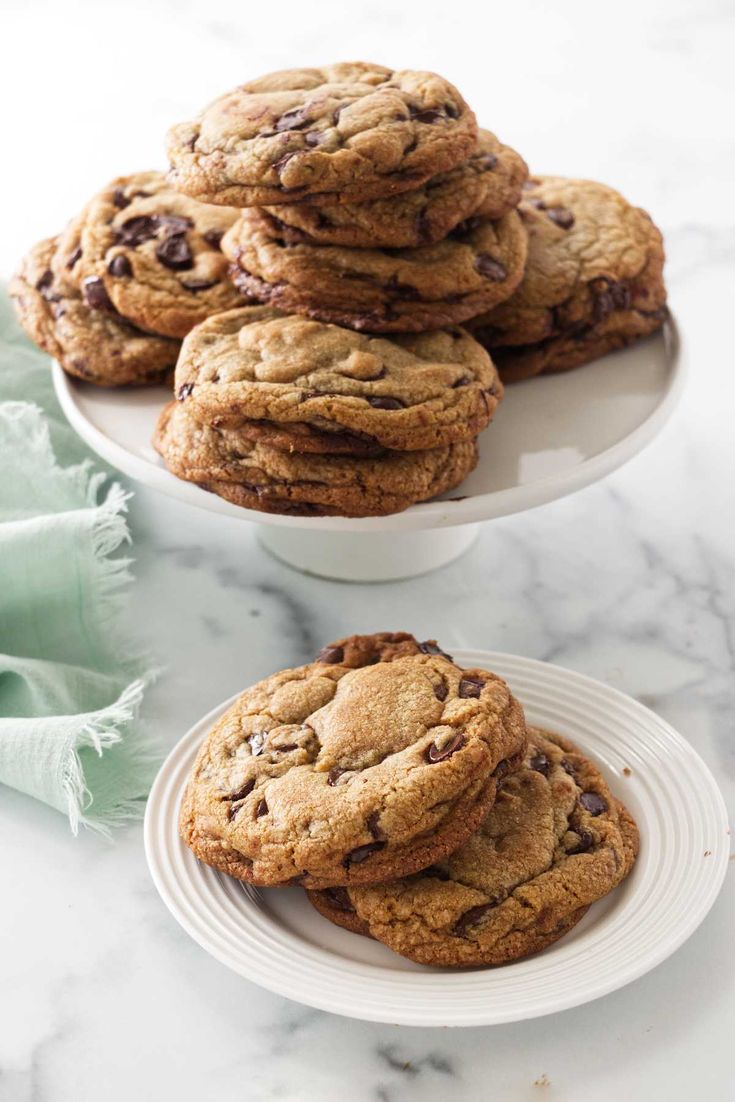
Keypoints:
pixel 488 184
pixel 255 475
pixel 97 346
pixel 343 133
pixel 380 290
pixel 152 253
pixel 554 842
pixel 407 392
pixel 593 281
pixel 334 775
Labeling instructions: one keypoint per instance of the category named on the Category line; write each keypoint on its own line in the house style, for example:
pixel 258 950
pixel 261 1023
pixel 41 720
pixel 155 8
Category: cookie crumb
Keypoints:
pixel 542 1081
pixel 627 772
pixel 708 853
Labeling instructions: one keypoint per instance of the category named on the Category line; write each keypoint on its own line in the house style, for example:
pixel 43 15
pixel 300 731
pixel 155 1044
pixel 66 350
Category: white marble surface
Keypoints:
pixel 101 994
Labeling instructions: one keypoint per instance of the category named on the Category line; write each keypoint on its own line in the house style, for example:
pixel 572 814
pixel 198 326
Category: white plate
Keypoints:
pixel 552 436
pixel 274 937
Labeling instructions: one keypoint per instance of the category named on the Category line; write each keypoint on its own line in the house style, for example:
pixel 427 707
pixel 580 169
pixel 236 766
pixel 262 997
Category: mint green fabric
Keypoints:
pixel 71 683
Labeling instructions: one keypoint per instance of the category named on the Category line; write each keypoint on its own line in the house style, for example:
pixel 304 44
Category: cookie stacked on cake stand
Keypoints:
pixel 375 219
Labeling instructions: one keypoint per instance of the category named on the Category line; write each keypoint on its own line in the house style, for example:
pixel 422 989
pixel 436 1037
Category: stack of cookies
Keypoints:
pixel 410 800
pixel 112 296
pixel 320 238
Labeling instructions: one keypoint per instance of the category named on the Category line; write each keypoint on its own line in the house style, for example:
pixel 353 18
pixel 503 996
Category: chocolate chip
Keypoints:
pixel 490 268
pixel 256 742
pixel 120 266
pixel 488 161
pixel 95 295
pixel 45 282
pixel 339 898
pixel 471 687
pixel 184 391
pixel 436 871
pixel 425 114
pixel 585 843
pixel 440 691
pixel 593 803
pixel 174 253
pixel 355 856
pixel 74 257
pixel 373 824
pixel 568 767
pixel 213 238
pixel 241 793
pixel 331 655
pixel 292 120
pixel 436 753
pixel 120 199
pixel 471 918
pixel 198 284
pixel 337 112
pixel 540 764
pixel 334 775
pixel 280 164
pixel 385 403
pixel 430 646
pixel 461 382
pixel 561 216
pixel 314 137
pixel 137 230
pixel 451 111
pixel 402 290
pixel 261 810
pixel 173 224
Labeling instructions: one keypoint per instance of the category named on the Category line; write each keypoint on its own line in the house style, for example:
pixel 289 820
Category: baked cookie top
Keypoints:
pixel 590 253
pixel 353 131
pixel 407 392
pixel 253 474
pixel 153 253
pixel 488 184
pixel 92 344
pixel 380 290
pixel 329 775
pixel 554 842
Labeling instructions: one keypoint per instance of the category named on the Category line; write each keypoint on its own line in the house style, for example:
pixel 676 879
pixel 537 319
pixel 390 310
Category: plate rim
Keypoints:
pixel 419 517
pixel 686 925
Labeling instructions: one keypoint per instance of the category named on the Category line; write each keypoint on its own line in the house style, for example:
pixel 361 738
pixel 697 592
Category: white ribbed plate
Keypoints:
pixel 274 937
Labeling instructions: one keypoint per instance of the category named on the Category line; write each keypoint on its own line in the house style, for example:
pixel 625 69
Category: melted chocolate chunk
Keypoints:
pixel 331 655
pixel 470 687
pixel 292 120
pixel 262 809
pixel 435 754
pixel 120 266
pixel 471 918
pixel 385 403
pixel 174 253
pixel 429 646
pixel 333 777
pixel 593 803
pixel 373 824
pixel 241 793
pixel 339 898
pixel 585 843
pixel 561 216
pixel 360 853
pixel 490 268
pixel 74 257
pixel 213 238
pixel 95 295
pixel 488 161
pixel 184 391
pixel 441 690
pixel 137 230
pixel 120 199
pixel 540 764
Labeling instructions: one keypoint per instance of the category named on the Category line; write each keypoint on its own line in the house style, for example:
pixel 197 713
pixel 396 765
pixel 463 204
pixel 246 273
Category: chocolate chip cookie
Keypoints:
pixel 151 254
pixel 342 133
pixel 382 291
pixel 407 392
pixel 593 281
pixel 257 476
pixel 93 345
pixel 488 184
pixel 330 775
pixel 554 842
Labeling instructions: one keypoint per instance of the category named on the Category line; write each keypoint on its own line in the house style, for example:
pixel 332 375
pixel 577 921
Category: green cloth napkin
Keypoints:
pixel 70 681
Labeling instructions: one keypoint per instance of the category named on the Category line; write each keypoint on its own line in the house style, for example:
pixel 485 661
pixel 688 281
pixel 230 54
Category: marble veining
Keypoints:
pixel 102 995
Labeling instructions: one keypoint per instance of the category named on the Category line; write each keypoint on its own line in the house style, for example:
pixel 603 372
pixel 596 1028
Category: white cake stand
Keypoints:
pixel 552 435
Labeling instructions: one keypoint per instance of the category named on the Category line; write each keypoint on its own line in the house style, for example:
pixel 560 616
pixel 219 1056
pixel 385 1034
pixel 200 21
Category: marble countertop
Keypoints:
pixel 101 994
